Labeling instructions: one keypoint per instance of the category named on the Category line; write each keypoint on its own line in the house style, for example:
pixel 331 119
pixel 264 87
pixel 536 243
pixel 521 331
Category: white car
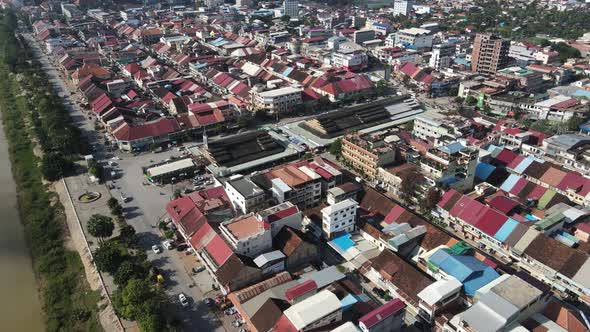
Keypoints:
pixel 156 249
pixel 183 299
pixel 168 244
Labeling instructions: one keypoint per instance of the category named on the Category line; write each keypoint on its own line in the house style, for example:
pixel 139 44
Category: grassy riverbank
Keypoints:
pixel 68 302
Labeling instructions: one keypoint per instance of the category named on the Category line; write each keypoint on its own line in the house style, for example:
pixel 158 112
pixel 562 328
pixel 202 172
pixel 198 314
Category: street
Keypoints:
pixel 142 212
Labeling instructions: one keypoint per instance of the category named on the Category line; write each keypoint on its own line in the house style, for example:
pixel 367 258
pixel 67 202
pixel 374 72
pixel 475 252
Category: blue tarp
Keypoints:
pixel 504 231
pixel 510 182
pixel 484 170
pixel 344 242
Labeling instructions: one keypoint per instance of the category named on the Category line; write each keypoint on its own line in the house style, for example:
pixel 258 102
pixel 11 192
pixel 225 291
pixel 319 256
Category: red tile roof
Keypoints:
pixel 300 290
pixel 394 214
pixel 390 308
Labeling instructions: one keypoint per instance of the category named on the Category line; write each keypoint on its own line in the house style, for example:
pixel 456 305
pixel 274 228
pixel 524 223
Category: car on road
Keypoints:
pixel 183 300
pixel 168 244
pixel 156 249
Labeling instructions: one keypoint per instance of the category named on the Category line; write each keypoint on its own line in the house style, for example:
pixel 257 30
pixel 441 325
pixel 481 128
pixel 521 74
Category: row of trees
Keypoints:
pixel 68 302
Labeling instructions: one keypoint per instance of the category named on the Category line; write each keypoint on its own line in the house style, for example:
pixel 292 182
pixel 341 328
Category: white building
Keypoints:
pixel 442 56
pixel 315 311
pixel 291 8
pixel 414 38
pixel 279 216
pixel 350 59
pixel 432 125
pixel 279 100
pixel 340 217
pixel 402 7
pixel 247 235
pixel 244 194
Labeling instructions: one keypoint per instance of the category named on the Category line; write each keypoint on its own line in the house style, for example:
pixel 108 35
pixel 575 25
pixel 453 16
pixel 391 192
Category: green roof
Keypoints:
pixel 460 248
pixel 550 221
pixel 545 199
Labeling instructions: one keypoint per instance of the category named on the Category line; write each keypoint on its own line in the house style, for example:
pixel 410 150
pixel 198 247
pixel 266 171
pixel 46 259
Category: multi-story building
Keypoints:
pixel 350 59
pixel 340 217
pixel 364 35
pixel 402 7
pixel 277 101
pixel 367 152
pixel 414 38
pixel 442 56
pixel 289 183
pixel 244 194
pixel 314 312
pixel 490 53
pixel 248 235
pixel 437 296
pixel 291 8
pixel 387 318
pixel 526 80
pixel 452 165
pixel 437 128
pixel 279 216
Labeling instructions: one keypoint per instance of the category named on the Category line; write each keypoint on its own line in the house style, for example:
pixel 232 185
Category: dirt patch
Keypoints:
pixel 75 241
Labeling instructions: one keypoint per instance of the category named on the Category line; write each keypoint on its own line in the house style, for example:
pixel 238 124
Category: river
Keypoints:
pixel 20 308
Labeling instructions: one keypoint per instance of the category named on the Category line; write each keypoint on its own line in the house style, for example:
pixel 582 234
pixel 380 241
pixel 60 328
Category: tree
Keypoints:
pixel 242 122
pixel 432 198
pixel 112 202
pixel 471 101
pixel 125 272
pixel 127 234
pixel 95 169
pixel 381 87
pixel 409 185
pixel 108 258
pixel 101 227
pixel 54 165
pixel 336 147
pixel 573 123
pixel 117 210
pixel 177 194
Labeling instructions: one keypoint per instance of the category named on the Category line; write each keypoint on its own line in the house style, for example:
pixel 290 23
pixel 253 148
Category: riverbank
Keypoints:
pixel 23 312
pixel 68 302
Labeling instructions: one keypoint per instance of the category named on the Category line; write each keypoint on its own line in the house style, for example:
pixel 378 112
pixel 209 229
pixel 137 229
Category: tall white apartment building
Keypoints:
pixel 402 7
pixel 442 56
pixel 340 217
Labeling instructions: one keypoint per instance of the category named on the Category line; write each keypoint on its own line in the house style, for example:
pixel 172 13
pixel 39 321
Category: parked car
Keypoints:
pixel 181 247
pixel 183 300
pixel 168 244
pixel 200 269
pixel 156 249
pixel 207 301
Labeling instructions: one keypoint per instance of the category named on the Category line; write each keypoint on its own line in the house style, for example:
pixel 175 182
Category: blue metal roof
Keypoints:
pixel 504 231
pixel 523 165
pixel 488 275
pixel 484 170
pixel 438 257
pixel 510 182
pixel 462 267
pixel 348 301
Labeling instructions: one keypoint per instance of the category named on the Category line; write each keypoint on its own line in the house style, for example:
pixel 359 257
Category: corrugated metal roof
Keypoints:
pixel 510 182
pixel 506 229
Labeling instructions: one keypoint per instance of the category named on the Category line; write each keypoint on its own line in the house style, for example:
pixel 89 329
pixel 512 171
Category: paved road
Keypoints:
pixel 142 212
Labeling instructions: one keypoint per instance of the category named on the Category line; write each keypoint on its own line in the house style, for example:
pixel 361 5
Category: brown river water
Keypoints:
pixel 20 308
